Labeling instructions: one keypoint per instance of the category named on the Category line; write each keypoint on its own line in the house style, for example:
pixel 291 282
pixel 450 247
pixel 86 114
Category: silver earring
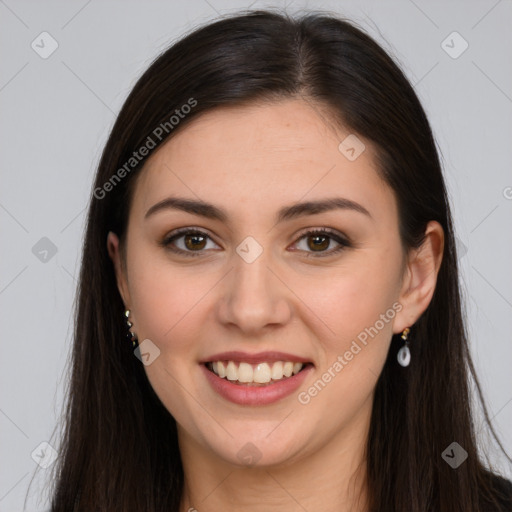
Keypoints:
pixel 131 335
pixel 404 354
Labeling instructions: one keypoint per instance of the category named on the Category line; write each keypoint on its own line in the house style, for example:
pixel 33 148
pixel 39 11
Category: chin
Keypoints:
pixel 259 445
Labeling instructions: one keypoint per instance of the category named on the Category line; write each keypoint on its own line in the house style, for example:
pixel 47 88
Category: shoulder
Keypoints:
pixel 501 490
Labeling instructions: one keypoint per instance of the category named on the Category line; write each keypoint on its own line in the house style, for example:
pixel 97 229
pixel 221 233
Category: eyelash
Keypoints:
pixel 333 235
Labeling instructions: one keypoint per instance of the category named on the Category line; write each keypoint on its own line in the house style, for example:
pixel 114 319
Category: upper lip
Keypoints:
pixel 258 357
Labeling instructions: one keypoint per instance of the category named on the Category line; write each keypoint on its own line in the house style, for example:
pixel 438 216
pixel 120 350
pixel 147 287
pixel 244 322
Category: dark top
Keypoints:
pixel 503 489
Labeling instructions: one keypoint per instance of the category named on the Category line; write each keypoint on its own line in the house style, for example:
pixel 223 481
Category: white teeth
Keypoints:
pixel 232 371
pixel 245 373
pixel 221 369
pixel 277 370
pixel 261 373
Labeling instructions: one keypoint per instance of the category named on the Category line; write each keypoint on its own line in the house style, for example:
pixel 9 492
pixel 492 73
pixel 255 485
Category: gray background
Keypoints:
pixel 56 114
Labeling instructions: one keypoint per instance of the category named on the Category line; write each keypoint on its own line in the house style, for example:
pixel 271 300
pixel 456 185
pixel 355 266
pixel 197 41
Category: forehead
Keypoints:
pixel 261 155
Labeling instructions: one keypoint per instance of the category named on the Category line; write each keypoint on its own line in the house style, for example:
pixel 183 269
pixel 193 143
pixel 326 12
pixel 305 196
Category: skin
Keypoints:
pixel 252 161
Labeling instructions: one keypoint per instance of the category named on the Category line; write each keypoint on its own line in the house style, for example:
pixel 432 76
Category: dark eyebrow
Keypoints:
pixel 320 206
pixel 208 210
pixel 194 206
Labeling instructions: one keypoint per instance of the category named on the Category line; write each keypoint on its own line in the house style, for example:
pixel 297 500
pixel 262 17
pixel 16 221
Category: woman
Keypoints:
pixel 270 225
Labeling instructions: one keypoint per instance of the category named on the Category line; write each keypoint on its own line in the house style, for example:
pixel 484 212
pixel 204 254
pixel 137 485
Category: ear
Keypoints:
pixel 420 277
pixel 114 252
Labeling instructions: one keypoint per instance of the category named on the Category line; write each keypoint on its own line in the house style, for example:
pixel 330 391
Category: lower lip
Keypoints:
pixel 255 395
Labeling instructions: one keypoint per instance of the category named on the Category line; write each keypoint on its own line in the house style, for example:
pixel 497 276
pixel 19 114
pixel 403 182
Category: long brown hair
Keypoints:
pixel 119 447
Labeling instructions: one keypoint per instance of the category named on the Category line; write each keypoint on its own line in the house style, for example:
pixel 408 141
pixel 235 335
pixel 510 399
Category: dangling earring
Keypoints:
pixel 131 335
pixel 404 354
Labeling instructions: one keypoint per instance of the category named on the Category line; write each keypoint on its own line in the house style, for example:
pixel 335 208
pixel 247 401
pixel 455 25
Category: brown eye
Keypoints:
pixel 318 241
pixel 194 241
pixel 187 242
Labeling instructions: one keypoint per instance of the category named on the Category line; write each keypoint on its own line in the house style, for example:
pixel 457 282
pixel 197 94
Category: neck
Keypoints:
pixel 332 478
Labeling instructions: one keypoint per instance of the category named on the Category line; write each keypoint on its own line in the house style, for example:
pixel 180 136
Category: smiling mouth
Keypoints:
pixel 260 374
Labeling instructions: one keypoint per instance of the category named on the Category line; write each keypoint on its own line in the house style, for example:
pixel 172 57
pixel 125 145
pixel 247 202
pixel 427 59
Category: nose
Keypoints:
pixel 254 297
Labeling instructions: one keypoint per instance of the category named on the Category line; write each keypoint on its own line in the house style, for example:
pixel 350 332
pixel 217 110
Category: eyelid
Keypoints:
pixel 339 237
pixel 334 233
pixel 179 232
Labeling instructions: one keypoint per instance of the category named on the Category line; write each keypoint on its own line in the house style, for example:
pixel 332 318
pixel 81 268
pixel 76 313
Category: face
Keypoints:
pixel 257 287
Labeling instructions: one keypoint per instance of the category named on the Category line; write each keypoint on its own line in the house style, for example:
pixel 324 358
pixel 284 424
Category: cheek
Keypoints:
pixel 167 302
pixel 348 299
pixel 359 311
pixel 358 303
pixel 169 310
pixel 352 299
